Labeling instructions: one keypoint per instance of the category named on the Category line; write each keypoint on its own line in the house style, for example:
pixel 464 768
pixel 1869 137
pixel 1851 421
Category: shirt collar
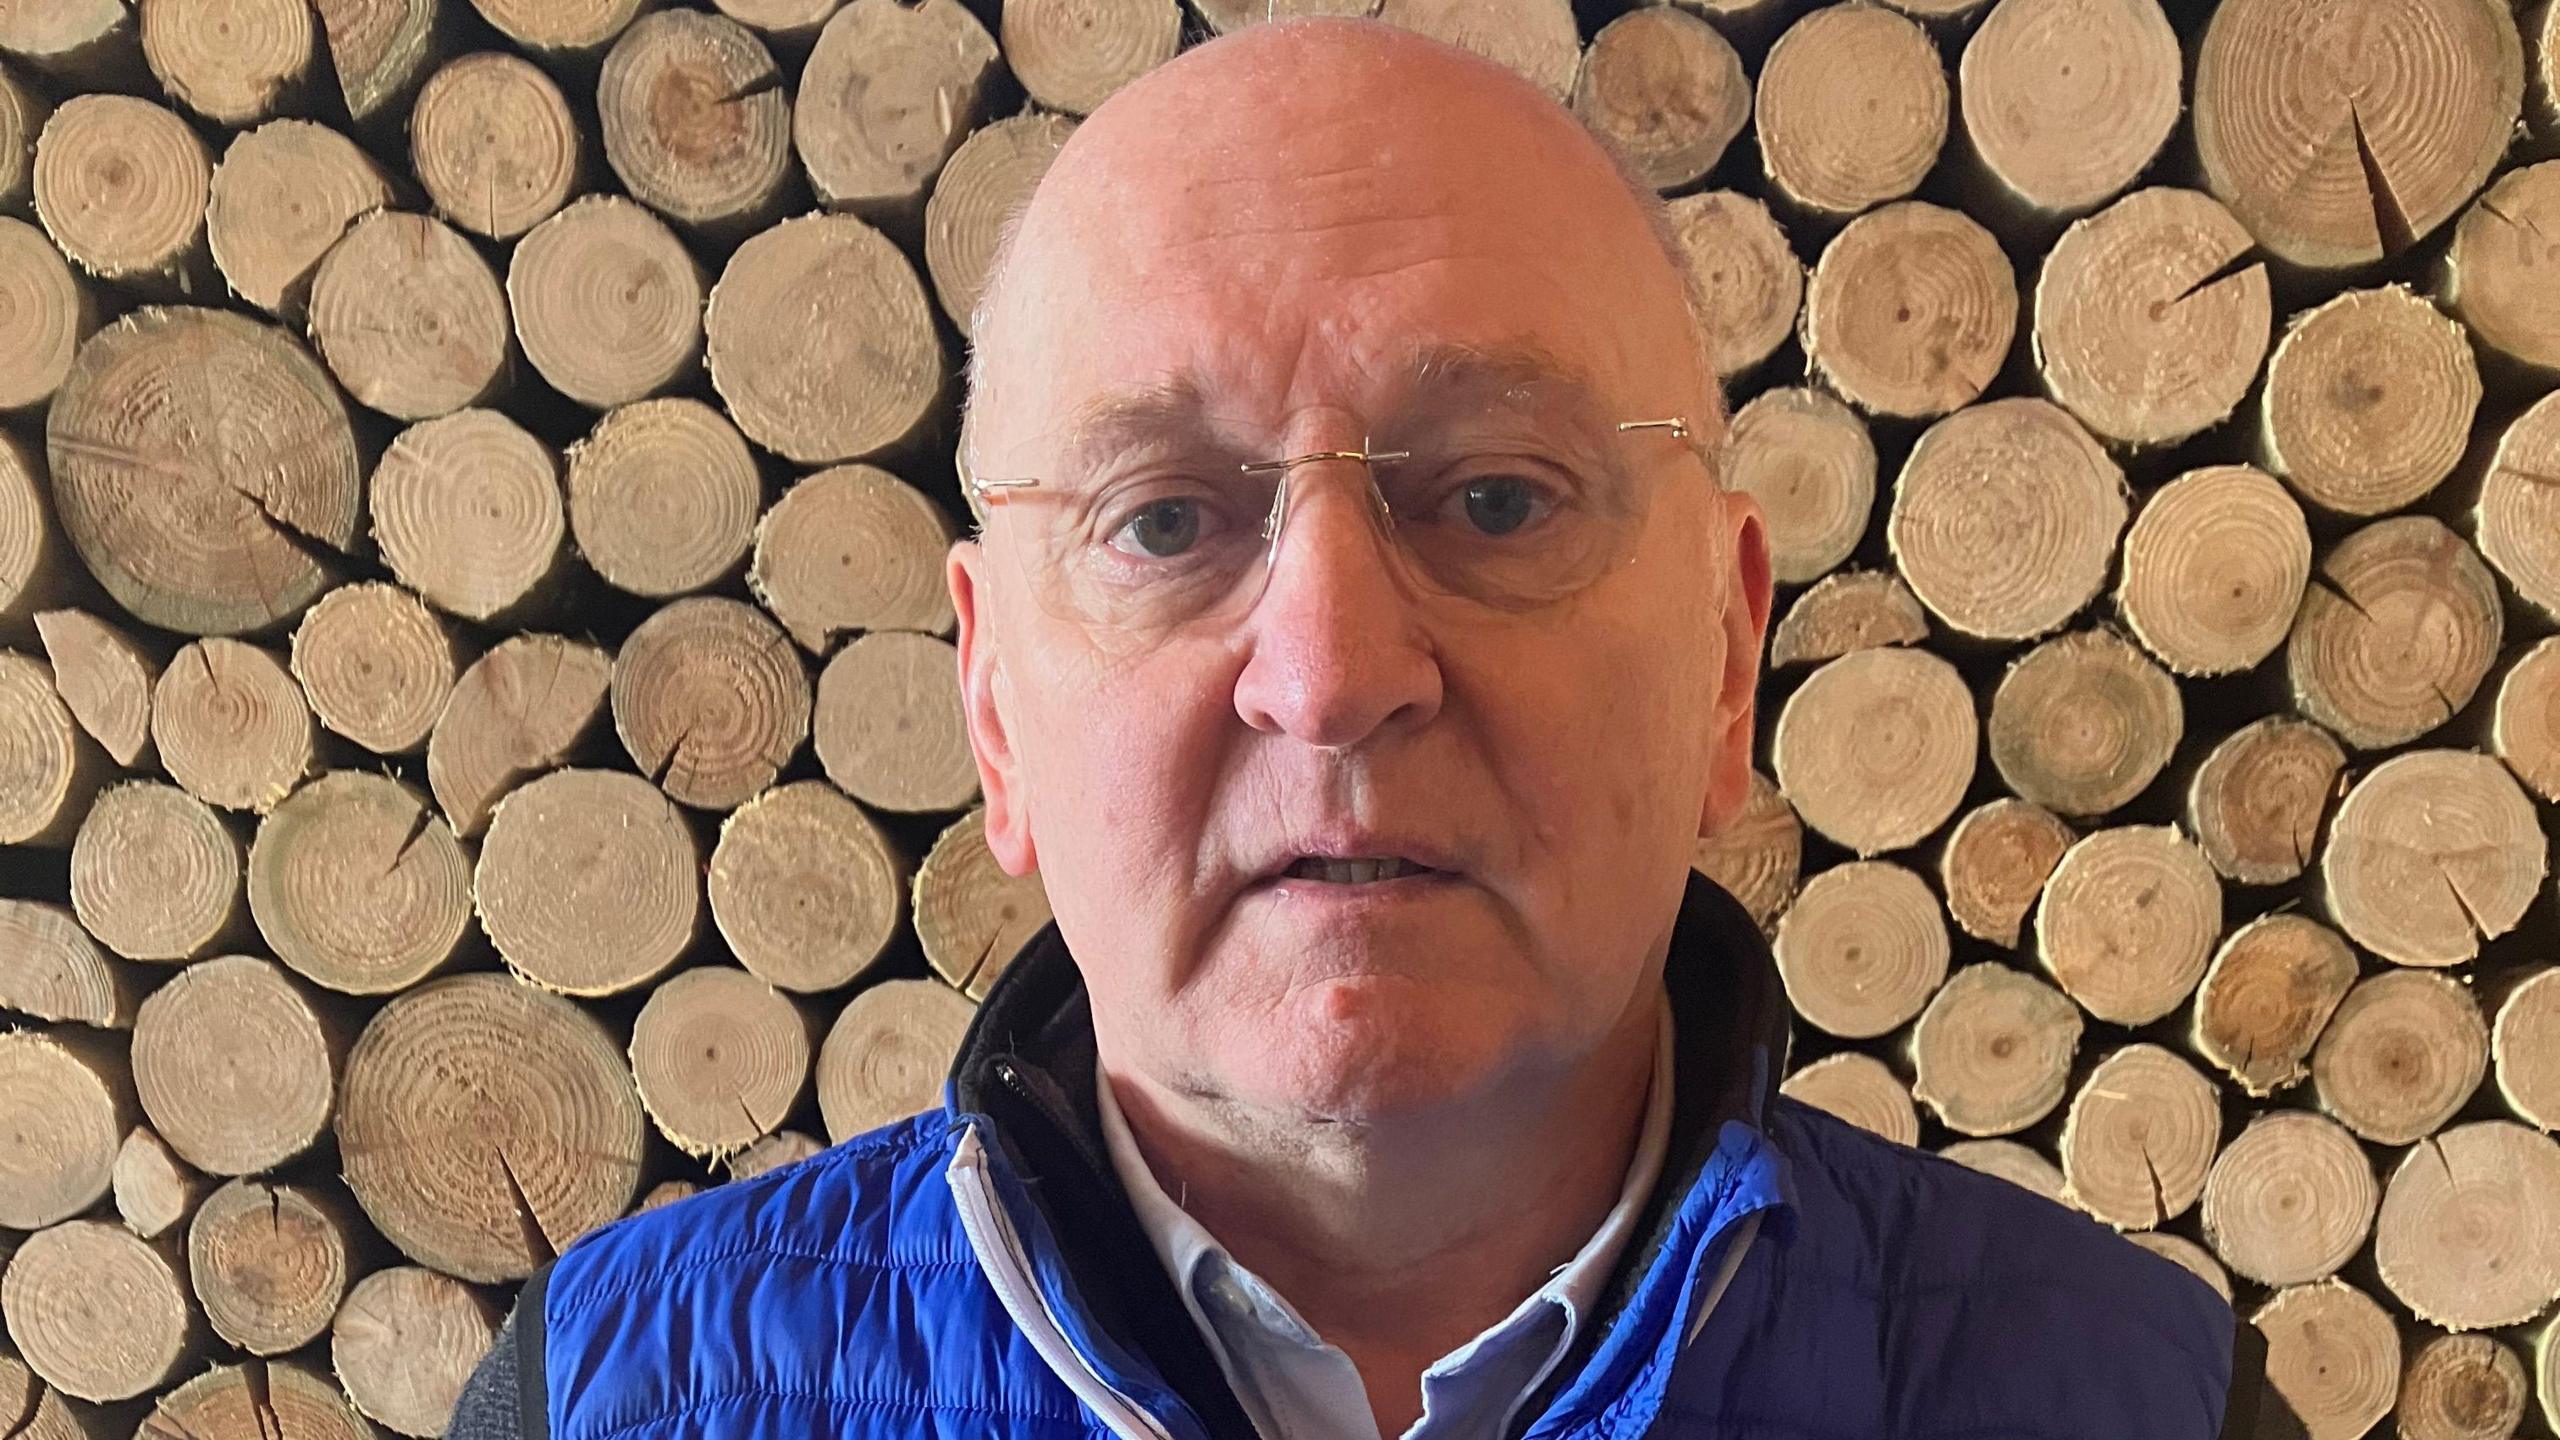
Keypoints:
pixel 1185 1246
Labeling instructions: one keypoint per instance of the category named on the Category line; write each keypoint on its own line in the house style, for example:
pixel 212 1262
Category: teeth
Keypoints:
pixel 1352 872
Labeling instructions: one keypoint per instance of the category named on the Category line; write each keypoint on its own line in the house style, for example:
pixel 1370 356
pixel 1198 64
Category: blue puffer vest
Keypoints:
pixel 975 1272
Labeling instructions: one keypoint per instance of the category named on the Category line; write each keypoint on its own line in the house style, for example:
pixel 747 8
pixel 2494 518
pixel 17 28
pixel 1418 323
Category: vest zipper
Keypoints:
pixel 998 1247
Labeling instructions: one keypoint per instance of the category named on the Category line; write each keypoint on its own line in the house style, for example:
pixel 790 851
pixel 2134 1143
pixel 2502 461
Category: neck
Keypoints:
pixel 1402 1239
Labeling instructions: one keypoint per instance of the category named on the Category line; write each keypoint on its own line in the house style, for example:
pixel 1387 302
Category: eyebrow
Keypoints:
pixel 1431 378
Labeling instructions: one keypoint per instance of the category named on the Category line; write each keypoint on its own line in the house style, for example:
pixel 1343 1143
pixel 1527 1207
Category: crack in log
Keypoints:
pixel 2453 887
pixel 2329 587
pixel 537 1241
pixel 2241 263
pixel 260 1385
pixel 2159 1192
pixel 417 830
pixel 2390 222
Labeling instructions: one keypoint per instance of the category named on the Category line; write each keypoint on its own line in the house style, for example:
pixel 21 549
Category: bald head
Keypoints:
pixel 1303 146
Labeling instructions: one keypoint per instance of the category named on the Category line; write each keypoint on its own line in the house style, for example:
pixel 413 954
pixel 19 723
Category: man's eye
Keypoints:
pixel 1500 504
pixel 1163 528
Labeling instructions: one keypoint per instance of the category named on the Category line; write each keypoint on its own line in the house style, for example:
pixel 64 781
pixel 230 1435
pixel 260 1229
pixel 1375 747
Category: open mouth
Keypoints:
pixel 1359 871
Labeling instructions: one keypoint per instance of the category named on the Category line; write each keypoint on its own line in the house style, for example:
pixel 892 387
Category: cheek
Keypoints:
pixel 1118 761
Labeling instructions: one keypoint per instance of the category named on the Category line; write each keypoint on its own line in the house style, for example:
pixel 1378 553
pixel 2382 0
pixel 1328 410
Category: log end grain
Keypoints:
pixel 1757 857
pixel 1859 1089
pixel 987 180
pixel 888 723
pixel 2084 723
pixel 2431 855
pixel 492 140
pixel 780 331
pixel 100 1313
pixel 2005 518
pixel 589 881
pixel 359 885
pixel 2291 1199
pixel 2402 1054
pixel 2463 1387
pixel 1852 109
pixel 2333 1354
pixel 270 1263
pixel 70 1097
pixel 1876 748
pixel 2469 1232
pixel 2267 996
pixel 711 700
pixel 468 511
pixel 1809 462
pixel 887 1053
pixel 236 1064
pixel 2525 1045
pixel 1995 864
pixel 2128 921
pixel 376 666
pixel 404 1344
pixel 231 725
pixel 719 1057
pixel 1747 278
pixel 1910 310
pixel 970 916
pixel 281 197
pixel 121 184
pixel 104 677
pixel 2369 400
pixel 2067 101
pixel 409 317
pixel 1668 88
pixel 805 888
pixel 2140 1138
pixel 1851 610
pixel 1862 948
pixel 663 496
pixel 697 119
pixel 888 93
pixel 514 714
pixel 1992 1053
pixel 607 303
pixel 2214 569
pixel 2397 630
pixel 2518 519
pixel 155 873
pixel 853 548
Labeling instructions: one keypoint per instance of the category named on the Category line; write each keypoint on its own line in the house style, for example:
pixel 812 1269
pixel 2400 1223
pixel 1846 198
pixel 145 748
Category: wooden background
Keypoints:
pixel 479 749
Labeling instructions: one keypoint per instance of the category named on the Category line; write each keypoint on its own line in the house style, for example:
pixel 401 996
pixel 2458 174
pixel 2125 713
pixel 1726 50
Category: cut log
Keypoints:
pixel 487 1124
pixel 376 665
pixel 155 873
pixel 468 511
pixel 205 469
pixel 663 495
pixel 2500 274
pixel 2525 1043
pixel 2518 519
pixel 234 62
pixel 31 565
pixel 2398 628
pixel 2369 401
pixel 1749 283
pixel 720 1058
pixel 589 883
pixel 2333 1354
pixel 888 92
pixel 1859 1089
pixel 492 140
pixel 697 121
pixel 988 179
pixel 99 1312
pixel 1807 459
pixel 270 1264
pixel 1225 17
pixel 887 1054
pixel 1911 309
pixel 105 679
pixel 2469 1235
pixel 2214 569
pixel 853 548
pixel 380 50
pixel 2271 989
pixel 2067 101
pixel 1535 39
pixel 607 302
pixel 1071 55
pixel 281 197
pixel 2256 803
pixel 69 1096
pixel 1861 949
pixel 155 1190
pixel 45 312
pixel 514 714
pixel 2187 1255
pixel 782 327
pixel 560 29
pixel 773 1152
pixel 406 1342
pixel 2524 729
pixel 22 116
pixel 1992 1053
pixel 237 1064
pixel 49 767
pixel 1875 749
pixel 711 700
pixel 1757 857
pixel 2330 167
pixel 1995 863
pixel 888 725
pixel 2011 1161
pixel 1668 89
pixel 256 1401
pixel 409 317
pixel 2142 327
pixel 121 184
pixel 2433 853
pixel 2462 1387
pixel 231 725
pixel 2291 1199
pixel 2140 1137
pixel 2128 920
pixel 1850 610
pixel 76 42
pixel 2083 723
pixel 1852 109
pixel 970 916
pixel 52 970
pixel 666 1192
pixel 359 885
pixel 2005 518
pixel 2403 1053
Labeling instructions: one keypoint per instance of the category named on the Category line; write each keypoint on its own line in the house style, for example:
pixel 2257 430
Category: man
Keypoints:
pixel 1357 641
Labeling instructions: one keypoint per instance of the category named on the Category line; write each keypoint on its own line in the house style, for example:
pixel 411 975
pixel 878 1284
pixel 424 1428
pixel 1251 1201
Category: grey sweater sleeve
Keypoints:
pixel 504 1399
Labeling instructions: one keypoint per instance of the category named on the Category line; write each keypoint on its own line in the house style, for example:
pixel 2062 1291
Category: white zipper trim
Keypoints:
pixel 1745 1232
pixel 998 1247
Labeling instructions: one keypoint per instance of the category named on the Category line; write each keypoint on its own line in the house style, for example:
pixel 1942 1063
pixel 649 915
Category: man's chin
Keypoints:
pixel 1374 1047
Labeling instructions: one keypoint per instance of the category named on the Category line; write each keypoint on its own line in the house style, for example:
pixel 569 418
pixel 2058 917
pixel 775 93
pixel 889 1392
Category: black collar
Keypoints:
pixel 1027 1063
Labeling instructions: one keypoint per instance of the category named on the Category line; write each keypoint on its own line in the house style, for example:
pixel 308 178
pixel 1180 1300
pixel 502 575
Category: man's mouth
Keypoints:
pixel 1355 871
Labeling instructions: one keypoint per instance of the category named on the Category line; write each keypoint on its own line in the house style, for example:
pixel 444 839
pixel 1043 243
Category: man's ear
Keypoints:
pixel 983 693
pixel 1746 625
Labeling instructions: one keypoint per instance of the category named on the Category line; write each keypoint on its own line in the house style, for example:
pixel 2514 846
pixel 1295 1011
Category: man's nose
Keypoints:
pixel 1338 649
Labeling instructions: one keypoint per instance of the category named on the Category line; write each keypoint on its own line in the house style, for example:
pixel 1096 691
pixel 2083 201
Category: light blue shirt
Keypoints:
pixel 1295 1386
